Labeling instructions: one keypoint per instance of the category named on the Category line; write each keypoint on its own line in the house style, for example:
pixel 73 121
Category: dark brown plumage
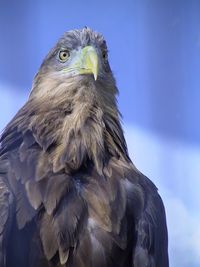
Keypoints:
pixel 69 193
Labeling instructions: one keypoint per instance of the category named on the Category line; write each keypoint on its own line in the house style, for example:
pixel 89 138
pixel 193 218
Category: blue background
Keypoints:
pixel 155 56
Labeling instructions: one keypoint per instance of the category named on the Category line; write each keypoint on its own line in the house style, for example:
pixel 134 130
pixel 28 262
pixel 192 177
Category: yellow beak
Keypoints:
pixel 89 61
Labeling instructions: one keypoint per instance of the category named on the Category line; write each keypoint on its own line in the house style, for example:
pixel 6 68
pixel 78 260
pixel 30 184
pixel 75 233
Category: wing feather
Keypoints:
pixel 151 230
pixel 6 212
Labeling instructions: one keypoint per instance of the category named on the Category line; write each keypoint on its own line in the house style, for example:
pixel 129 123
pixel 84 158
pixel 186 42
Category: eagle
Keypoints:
pixel 69 192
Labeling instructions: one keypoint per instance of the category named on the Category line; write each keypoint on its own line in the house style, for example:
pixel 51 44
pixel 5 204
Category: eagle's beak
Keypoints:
pixel 89 61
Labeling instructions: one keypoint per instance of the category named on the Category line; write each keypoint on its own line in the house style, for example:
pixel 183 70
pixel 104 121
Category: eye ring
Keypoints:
pixel 63 55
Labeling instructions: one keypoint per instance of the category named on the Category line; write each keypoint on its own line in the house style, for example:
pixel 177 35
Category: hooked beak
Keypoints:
pixel 89 60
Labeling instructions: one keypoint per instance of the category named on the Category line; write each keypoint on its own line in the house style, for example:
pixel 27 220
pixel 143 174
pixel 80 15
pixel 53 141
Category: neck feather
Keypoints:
pixel 75 126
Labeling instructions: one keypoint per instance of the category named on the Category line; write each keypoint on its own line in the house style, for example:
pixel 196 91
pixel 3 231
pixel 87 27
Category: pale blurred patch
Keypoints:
pixel 11 100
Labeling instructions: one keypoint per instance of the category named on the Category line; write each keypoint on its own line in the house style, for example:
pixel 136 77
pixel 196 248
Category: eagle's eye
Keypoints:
pixel 104 55
pixel 63 55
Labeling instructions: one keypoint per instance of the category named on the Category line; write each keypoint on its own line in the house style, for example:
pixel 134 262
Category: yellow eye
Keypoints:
pixel 63 55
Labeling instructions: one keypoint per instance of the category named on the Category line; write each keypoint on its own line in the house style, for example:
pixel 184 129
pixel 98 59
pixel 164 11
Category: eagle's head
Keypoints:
pixel 79 57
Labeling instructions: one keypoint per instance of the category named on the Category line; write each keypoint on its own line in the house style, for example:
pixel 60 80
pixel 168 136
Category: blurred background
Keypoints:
pixel 155 56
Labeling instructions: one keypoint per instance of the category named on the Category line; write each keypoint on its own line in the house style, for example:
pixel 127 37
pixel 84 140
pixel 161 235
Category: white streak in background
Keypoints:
pixel 175 168
pixel 11 100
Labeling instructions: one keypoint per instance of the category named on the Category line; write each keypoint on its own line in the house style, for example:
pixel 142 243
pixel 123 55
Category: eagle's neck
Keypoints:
pixel 75 127
pixel 90 132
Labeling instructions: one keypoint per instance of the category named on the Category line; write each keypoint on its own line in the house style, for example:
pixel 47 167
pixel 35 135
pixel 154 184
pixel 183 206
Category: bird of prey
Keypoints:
pixel 69 193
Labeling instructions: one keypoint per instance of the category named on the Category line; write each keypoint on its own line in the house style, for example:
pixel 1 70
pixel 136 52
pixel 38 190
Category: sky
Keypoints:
pixel 154 52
